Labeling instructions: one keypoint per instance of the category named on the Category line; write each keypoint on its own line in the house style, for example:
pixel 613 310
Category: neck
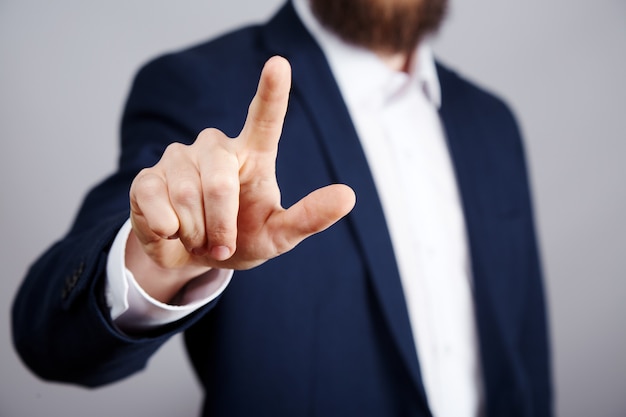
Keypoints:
pixel 397 61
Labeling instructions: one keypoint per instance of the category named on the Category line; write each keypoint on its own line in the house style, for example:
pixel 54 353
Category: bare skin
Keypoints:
pixel 398 61
pixel 216 203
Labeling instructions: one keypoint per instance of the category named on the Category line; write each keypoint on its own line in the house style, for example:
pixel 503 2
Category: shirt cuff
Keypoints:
pixel 132 309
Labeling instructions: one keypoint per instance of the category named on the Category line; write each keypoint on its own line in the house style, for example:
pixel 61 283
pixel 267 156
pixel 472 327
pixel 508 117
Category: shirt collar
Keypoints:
pixel 362 72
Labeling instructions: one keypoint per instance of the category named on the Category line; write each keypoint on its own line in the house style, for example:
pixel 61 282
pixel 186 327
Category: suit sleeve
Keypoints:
pixel 61 325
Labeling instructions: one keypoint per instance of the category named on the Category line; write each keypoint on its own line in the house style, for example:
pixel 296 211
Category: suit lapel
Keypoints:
pixel 469 153
pixel 315 86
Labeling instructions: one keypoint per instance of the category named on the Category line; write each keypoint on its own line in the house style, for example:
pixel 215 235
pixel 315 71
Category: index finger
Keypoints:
pixel 268 108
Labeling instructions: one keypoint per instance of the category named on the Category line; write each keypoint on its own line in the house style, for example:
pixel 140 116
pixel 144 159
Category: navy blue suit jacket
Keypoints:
pixel 322 330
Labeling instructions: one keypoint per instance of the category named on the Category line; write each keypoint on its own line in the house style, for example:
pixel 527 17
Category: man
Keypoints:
pixel 426 299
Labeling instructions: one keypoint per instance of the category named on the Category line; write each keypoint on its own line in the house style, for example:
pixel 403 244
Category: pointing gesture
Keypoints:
pixel 216 203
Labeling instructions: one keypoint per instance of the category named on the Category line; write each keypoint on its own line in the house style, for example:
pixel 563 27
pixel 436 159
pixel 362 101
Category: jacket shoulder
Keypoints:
pixel 208 84
pixel 479 102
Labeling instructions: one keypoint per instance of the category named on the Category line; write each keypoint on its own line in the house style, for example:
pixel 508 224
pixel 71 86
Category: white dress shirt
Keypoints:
pixel 132 309
pixel 395 115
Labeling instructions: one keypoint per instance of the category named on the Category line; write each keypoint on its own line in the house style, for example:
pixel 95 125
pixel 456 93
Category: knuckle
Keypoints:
pixel 161 228
pixel 213 140
pixel 220 235
pixel 174 150
pixel 186 192
pixel 265 127
pixel 192 237
pixel 146 184
pixel 221 184
pixel 209 135
pixel 208 132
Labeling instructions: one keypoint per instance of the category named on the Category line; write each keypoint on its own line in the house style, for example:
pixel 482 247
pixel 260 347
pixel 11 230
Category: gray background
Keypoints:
pixel 65 69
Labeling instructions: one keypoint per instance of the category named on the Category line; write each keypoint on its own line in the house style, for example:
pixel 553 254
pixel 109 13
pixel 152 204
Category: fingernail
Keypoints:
pixel 220 253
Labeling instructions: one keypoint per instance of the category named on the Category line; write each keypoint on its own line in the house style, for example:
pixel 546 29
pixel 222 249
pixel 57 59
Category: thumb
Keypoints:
pixel 314 213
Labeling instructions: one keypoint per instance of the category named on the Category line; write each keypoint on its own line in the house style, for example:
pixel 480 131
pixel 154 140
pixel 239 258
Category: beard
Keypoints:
pixel 387 26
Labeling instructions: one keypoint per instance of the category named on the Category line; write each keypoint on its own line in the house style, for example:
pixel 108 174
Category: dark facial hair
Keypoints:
pixel 387 26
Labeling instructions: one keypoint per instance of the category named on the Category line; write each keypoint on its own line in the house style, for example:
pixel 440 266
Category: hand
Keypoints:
pixel 216 203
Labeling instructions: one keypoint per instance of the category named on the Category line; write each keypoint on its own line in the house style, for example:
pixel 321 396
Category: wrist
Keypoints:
pixel 161 283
